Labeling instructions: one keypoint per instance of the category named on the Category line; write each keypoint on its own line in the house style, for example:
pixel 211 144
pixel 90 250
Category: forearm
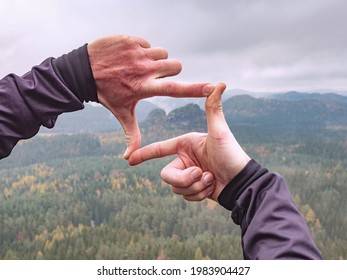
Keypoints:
pixel 41 95
pixel 271 225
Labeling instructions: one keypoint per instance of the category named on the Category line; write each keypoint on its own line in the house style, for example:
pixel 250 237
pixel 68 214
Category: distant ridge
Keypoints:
pixel 286 113
pixel 94 118
pixel 289 112
pixel 298 96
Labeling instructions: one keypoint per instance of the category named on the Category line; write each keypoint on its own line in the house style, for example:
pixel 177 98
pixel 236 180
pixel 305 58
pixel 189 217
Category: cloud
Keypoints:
pixel 261 45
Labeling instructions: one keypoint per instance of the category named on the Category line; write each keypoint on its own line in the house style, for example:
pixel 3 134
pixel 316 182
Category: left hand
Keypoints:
pixel 126 69
pixel 206 163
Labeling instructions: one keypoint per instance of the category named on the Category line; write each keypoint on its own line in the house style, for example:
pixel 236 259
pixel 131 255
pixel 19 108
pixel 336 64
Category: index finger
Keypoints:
pixel 155 150
pixel 159 87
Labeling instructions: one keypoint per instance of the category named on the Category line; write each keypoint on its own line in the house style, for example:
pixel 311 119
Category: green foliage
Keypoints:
pixel 97 207
pixel 74 197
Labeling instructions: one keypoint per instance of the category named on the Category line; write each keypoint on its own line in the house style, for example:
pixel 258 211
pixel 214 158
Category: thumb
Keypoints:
pixel 128 121
pixel 216 123
pixel 132 137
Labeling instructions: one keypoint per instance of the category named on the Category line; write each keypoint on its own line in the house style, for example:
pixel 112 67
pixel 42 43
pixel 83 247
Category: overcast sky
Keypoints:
pixel 256 45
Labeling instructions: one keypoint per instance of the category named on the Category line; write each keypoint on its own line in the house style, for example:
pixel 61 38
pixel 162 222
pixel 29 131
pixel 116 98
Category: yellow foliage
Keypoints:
pixel 147 182
pixel 211 204
pixel 123 181
pixel 318 225
pixel 110 138
pixel 198 254
pixel 139 186
pixel 98 192
pixel 115 184
pixel 58 234
pixel 310 216
pixel 7 193
pixel 48 246
pixel 24 182
pixel 43 171
pixel 80 228
pixel 162 255
pixel 297 200
pixel 43 236
pixel 42 187
pixel 338 168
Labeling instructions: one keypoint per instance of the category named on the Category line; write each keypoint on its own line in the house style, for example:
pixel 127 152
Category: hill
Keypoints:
pixel 299 96
pixel 94 118
pixel 289 113
pixel 169 104
pixel 74 197
pixel 159 125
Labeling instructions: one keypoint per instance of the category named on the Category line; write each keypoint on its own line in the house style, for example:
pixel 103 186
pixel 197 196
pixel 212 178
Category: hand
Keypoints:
pixel 126 69
pixel 205 162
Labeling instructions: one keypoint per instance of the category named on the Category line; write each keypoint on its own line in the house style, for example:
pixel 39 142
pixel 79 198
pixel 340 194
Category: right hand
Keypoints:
pixel 206 163
pixel 126 69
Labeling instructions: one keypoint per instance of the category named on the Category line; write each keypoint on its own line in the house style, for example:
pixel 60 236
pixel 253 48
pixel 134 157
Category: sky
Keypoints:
pixel 262 46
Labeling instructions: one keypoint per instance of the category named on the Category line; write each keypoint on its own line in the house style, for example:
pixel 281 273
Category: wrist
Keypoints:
pixel 228 174
pixel 231 192
pixel 75 72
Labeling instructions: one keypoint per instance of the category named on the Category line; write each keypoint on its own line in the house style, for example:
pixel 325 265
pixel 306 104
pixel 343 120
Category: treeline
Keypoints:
pixel 77 199
pixel 98 208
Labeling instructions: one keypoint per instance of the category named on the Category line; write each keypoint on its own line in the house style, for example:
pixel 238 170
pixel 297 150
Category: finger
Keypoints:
pixel 155 150
pixel 201 195
pixel 142 42
pixel 167 68
pixel 156 53
pixel 127 118
pixel 178 175
pixel 176 89
pixel 196 187
pixel 214 112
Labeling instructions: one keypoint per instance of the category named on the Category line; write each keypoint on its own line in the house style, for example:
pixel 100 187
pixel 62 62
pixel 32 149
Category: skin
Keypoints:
pixel 126 69
pixel 206 162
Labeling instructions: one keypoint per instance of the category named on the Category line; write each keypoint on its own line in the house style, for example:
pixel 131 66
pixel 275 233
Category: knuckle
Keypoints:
pixel 158 150
pixel 183 181
pixel 201 196
pixel 170 88
pixel 163 52
pixel 209 105
pixel 197 197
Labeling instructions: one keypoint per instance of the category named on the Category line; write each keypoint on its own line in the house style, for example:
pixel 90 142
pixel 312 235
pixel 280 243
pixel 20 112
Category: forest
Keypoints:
pixel 74 197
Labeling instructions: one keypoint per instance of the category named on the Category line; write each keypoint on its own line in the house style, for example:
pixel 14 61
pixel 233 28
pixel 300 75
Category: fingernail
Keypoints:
pixel 208 89
pixel 208 179
pixel 126 155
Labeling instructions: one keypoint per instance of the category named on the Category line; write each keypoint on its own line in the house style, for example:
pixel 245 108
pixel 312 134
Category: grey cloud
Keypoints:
pixel 252 44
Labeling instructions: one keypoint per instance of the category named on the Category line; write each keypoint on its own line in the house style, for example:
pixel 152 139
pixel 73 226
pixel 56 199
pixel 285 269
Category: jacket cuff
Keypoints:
pixel 75 72
pixel 249 174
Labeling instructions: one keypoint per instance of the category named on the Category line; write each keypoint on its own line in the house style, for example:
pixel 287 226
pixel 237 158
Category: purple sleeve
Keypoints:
pixel 41 95
pixel 271 225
